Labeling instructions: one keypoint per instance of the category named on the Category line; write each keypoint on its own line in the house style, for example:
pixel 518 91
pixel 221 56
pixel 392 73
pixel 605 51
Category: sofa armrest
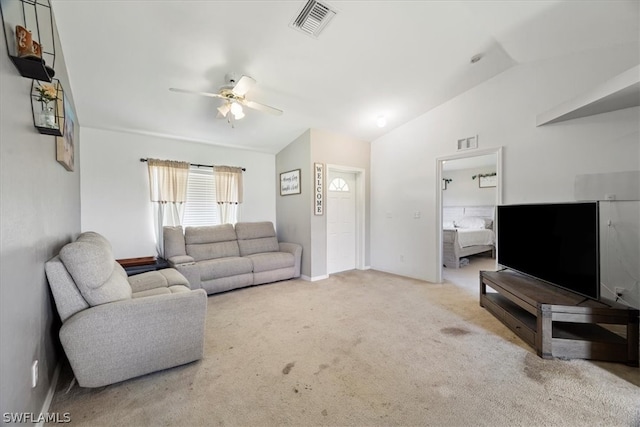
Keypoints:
pixel 156 279
pixel 180 259
pixel 124 339
pixel 296 250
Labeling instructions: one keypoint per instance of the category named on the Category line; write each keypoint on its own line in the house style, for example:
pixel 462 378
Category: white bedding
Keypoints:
pixel 470 237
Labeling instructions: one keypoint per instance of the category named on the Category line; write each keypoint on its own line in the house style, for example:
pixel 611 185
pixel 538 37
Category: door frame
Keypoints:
pixel 439 162
pixel 360 211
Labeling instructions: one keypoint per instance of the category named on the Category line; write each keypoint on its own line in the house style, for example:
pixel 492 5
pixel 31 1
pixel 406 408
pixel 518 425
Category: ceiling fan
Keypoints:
pixel 233 93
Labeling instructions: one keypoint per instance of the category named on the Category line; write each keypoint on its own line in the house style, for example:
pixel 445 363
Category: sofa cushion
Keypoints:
pixel 209 234
pixel 224 267
pixel 271 261
pixel 212 242
pixel 173 238
pixel 256 237
pixel 255 230
pixel 91 265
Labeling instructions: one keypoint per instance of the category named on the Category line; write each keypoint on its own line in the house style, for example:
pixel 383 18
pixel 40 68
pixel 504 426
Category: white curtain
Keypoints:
pixel 168 192
pixel 229 192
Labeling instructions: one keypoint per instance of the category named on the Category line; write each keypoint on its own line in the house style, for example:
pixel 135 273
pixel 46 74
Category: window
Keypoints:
pixel 338 184
pixel 201 207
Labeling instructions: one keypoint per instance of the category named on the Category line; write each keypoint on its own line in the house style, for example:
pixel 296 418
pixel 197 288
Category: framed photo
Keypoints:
pixel 65 144
pixel 487 181
pixel 290 183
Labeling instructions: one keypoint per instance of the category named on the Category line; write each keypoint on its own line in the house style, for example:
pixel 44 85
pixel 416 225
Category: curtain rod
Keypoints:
pixel 198 165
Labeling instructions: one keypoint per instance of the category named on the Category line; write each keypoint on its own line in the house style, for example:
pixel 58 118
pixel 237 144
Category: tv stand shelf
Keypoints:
pixel 559 323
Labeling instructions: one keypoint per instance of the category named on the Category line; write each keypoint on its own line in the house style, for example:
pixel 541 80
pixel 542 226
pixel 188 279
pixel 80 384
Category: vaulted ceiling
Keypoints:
pixel 393 58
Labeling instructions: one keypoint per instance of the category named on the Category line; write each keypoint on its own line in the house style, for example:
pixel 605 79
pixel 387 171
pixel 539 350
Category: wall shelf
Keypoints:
pixel 55 126
pixel 37 18
pixel 622 91
pixel 33 68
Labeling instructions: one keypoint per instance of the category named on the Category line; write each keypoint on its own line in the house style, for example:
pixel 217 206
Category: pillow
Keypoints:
pixel 474 223
pixel 448 224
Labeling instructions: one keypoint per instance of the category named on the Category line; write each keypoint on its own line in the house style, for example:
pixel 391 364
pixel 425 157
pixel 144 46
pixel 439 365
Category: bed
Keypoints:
pixel 467 230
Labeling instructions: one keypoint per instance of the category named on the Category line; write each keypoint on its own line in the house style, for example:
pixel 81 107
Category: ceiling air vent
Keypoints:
pixel 313 17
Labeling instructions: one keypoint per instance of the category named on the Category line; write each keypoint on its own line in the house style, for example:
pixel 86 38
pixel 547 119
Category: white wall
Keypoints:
pixel 296 221
pixel 115 184
pixel 294 224
pixel 540 163
pixel 339 150
pixel 464 191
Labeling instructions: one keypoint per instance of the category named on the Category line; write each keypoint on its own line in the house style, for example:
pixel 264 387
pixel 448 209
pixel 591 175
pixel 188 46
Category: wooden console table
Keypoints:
pixel 559 323
pixel 142 264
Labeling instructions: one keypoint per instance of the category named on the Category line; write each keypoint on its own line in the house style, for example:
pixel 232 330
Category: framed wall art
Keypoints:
pixel 487 181
pixel 65 144
pixel 290 183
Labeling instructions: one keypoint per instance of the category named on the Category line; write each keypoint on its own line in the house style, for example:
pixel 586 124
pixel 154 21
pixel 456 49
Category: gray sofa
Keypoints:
pixel 115 328
pixel 223 257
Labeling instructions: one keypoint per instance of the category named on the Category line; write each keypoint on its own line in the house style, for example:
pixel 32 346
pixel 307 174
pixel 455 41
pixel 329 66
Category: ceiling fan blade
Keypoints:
pixel 223 110
pixel 193 92
pixel 261 107
pixel 242 87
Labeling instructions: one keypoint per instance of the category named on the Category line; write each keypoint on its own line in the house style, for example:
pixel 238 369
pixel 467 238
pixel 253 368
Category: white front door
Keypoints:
pixel 341 222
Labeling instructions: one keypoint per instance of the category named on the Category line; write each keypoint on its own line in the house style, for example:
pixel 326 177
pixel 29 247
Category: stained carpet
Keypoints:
pixel 362 348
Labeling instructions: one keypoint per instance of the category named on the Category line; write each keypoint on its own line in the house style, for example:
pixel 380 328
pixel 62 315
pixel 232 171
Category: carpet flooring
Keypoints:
pixel 362 348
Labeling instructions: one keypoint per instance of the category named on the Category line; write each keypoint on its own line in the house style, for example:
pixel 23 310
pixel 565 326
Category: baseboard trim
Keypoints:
pixel 314 278
pixel 50 393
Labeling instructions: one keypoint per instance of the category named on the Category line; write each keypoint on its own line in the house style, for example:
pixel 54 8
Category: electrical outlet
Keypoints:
pixel 34 374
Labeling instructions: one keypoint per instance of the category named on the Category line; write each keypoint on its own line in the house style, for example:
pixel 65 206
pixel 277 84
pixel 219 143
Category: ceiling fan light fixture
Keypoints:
pixel 223 110
pixel 236 109
pixel 238 115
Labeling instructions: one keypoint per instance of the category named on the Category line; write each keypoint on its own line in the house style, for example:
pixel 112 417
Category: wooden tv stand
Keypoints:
pixel 559 323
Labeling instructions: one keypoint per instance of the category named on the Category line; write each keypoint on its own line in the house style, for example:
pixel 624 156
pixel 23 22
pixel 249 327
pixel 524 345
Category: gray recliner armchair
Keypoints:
pixel 117 327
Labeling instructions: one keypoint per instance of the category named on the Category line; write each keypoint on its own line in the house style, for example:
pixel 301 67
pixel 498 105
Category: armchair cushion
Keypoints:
pixel 156 279
pixel 91 264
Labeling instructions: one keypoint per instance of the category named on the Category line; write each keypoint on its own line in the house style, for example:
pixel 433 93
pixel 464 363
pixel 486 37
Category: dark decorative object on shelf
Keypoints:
pixel 47 107
pixel 33 53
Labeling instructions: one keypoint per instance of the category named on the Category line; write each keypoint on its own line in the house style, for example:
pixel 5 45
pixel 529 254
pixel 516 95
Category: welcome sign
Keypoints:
pixel 318 181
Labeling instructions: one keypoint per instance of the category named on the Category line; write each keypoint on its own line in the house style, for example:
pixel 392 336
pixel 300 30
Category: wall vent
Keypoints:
pixel 313 17
pixel 468 143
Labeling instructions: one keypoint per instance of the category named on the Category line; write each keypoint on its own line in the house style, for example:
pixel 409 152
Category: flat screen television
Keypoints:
pixel 554 242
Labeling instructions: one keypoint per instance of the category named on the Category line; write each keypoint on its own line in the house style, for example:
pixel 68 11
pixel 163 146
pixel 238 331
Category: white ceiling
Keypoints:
pixel 394 58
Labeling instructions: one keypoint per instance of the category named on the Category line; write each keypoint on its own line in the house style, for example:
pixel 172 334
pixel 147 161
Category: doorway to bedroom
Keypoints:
pixel 470 188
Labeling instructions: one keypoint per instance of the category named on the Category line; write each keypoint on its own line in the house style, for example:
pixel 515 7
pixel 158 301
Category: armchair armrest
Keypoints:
pixel 156 279
pixel 296 250
pixel 124 339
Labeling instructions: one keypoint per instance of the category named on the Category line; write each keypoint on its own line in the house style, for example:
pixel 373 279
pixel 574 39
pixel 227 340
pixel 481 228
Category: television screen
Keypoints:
pixel 555 242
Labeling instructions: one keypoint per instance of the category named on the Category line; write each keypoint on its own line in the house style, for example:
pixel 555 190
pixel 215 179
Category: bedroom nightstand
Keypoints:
pixel 142 265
